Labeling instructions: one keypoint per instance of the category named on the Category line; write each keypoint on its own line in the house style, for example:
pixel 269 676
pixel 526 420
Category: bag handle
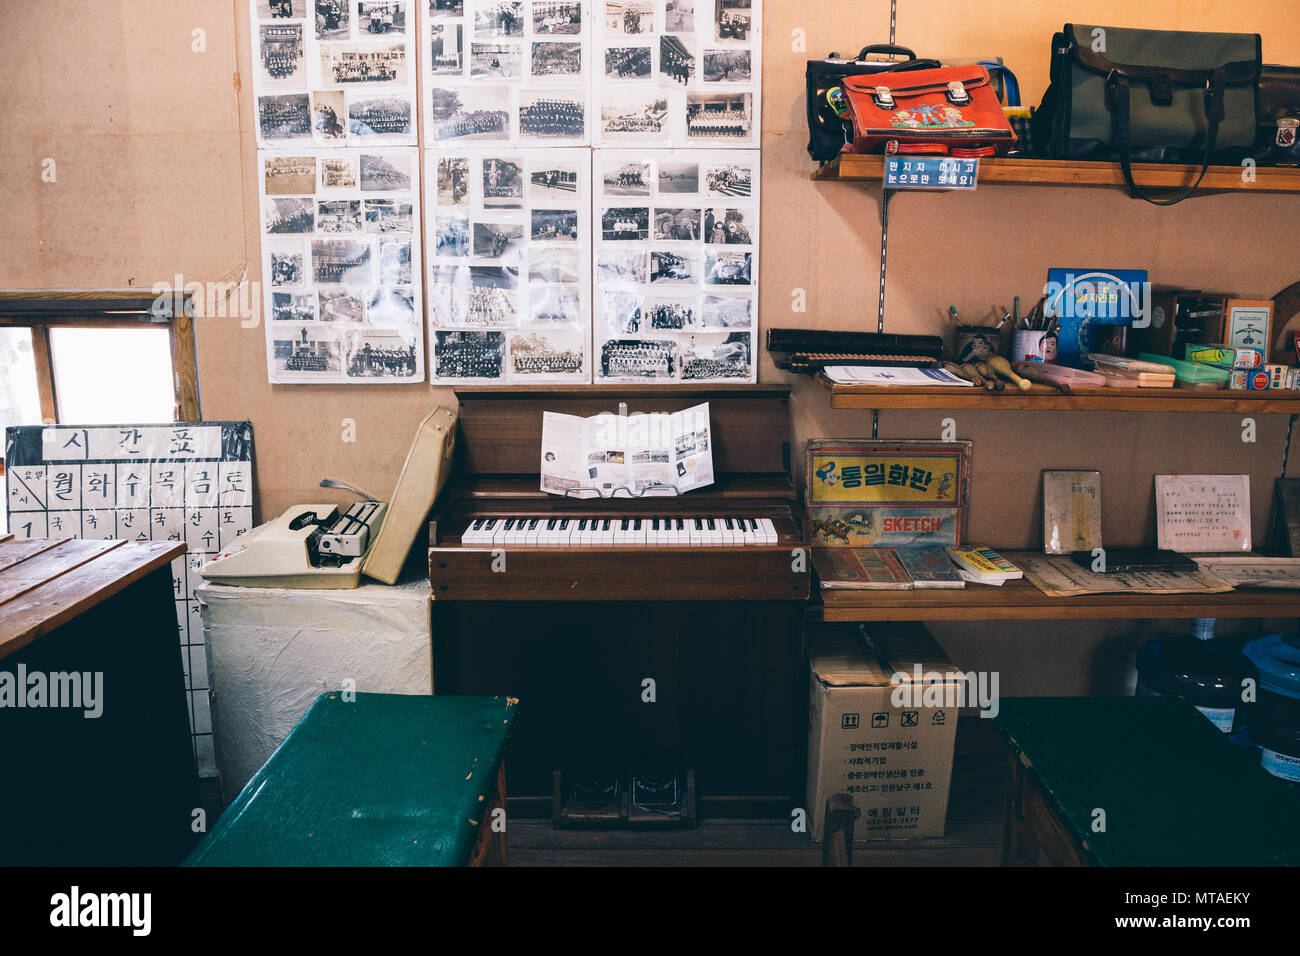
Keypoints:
pixel 1117 90
pixel 889 49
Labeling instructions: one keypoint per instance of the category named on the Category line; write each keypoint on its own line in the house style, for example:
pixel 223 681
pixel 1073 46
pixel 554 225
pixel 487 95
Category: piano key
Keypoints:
pixel 749 530
pixel 728 529
pixel 768 529
pixel 563 531
pixel 640 531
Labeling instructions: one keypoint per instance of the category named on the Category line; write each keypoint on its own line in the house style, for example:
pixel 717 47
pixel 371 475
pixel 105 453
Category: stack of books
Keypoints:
pixel 901 569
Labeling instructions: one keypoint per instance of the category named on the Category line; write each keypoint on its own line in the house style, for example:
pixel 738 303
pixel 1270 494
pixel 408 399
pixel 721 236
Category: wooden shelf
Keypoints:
pixel 1022 601
pixel 1045 398
pixel 853 167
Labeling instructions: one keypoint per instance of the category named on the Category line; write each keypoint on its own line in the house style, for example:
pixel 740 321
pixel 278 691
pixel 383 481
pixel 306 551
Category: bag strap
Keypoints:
pixel 1117 89
pixel 889 49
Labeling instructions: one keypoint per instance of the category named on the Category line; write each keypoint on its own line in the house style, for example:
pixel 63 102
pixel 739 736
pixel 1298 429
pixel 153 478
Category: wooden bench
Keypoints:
pixel 1137 781
pixel 119 788
pixel 377 780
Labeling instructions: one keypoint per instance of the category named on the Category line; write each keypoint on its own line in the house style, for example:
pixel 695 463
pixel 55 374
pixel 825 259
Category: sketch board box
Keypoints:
pixel 895 761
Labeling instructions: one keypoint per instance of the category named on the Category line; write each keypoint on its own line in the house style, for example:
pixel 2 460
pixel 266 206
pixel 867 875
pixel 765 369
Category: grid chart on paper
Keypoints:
pixel 190 483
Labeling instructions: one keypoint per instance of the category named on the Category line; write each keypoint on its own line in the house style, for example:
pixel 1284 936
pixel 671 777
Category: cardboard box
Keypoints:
pixel 871 734
pixel 1225 356
pixel 1256 381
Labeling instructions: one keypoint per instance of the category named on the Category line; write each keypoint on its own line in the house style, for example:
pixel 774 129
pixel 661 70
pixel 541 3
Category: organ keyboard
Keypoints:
pixel 543 531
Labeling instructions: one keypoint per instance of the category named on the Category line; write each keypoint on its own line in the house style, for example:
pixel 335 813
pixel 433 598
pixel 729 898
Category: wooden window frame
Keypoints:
pixel 43 311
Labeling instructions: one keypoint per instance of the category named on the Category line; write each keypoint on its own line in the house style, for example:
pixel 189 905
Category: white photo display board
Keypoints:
pixel 341 265
pixel 334 72
pixel 506 71
pixel 676 265
pixel 509 240
pixel 678 72
pixel 190 482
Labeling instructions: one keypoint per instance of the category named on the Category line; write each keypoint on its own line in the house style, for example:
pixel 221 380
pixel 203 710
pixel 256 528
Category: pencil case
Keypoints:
pixel 1063 375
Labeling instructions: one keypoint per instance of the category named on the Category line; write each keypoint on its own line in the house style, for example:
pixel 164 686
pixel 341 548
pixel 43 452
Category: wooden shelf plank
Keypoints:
pixel 853 167
pixel 1022 601
pixel 1045 398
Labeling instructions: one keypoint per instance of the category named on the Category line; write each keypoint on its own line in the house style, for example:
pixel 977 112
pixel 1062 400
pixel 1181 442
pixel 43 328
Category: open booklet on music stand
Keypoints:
pixel 638 455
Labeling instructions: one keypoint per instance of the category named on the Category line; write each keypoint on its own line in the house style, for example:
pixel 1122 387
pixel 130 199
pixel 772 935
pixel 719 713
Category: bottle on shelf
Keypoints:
pixel 1206 673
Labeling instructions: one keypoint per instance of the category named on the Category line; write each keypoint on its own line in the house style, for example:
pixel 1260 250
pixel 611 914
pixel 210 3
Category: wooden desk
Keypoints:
pixel 1174 791
pixel 119 788
pixel 382 780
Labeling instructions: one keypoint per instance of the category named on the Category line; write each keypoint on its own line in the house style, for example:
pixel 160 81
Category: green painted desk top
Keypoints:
pixel 387 780
pixel 1175 790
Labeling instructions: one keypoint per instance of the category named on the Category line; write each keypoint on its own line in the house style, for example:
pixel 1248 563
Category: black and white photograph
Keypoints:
pixel 282 56
pixel 290 217
pixel 381 17
pixel 547 354
pixel 380 354
pixel 554 225
pixel 293 307
pixel 627 63
pixel 303 352
pixel 333 19
pixel 727 268
pixel 726 312
pixel 679 16
pixel 496 60
pixel 380 117
pixel 727 227
pixel 387 216
pixel 446 8
pixel 677 176
pixel 469 354
pixel 388 307
pixel 673 268
pixel 556 59
pixel 351 64
pixel 726 66
pixel 448 296
pixel 491 306
pixel 341 306
pixel 453 180
pixel 446 48
pixel 545 114
pixel 622 311
pixel 338 172
pixel 554 266
pixel 339 215
pixel 290 175
pixel 553 181
pixel 341 262
pixel 503 183
pixel 467 114
pixel 555 305
pixel 451 235
pixel 733 19
pixel 730 359
pixel 730 179
pixel 671 315
pixel 676 60
pixel 390 172
pixel 394 263
pixel 630 17
pixel 557 17
pixel 680 225
pixel 286 266
pixel 284 117
pixel 502 241
pixel 328 117
pixel 616 268
pixel 626 178
pixel 719 116
pixel 499 18
pixel 638 359
pixel 625 224
pixel 634 115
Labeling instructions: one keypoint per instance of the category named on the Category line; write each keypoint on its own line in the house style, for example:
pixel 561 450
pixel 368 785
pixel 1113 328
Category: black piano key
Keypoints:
pixel 636 524
pixel 532 524
pixel 604 525
pixel 729 525
pixel 680 524
pixel 624 525
pixel 709 524
pixel 699 525
pixel 550 525
pixel 510 525
pixel 477 524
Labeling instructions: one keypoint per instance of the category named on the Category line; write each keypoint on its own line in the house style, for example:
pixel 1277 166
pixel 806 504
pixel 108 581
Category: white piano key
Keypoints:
pixel 769 530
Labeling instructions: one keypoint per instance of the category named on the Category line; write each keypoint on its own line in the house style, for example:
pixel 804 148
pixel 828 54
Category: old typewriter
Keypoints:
pixel 573 604
pixel 309 546
pixel 809 350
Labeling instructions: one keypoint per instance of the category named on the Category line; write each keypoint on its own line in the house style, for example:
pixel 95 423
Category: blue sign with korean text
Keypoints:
pixel 930 172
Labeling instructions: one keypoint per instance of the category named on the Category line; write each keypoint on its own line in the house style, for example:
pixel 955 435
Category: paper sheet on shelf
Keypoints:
pixel 1253 571
pixel 891 375
pixel 1059 576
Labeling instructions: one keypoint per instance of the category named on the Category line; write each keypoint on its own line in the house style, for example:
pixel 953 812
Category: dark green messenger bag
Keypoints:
pixel 1156 96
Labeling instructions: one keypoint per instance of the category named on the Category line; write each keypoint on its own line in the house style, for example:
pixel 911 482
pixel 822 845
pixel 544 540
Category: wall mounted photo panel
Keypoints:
pixel 341 265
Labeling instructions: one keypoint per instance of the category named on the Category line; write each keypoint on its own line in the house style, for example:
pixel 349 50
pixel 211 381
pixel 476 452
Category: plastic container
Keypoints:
pixel 1190 374
pixel 1200 670
pixel 1075 377
pixel 1275 718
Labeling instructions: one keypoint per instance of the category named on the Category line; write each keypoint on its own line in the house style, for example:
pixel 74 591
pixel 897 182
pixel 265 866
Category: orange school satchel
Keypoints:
pixel 950 111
